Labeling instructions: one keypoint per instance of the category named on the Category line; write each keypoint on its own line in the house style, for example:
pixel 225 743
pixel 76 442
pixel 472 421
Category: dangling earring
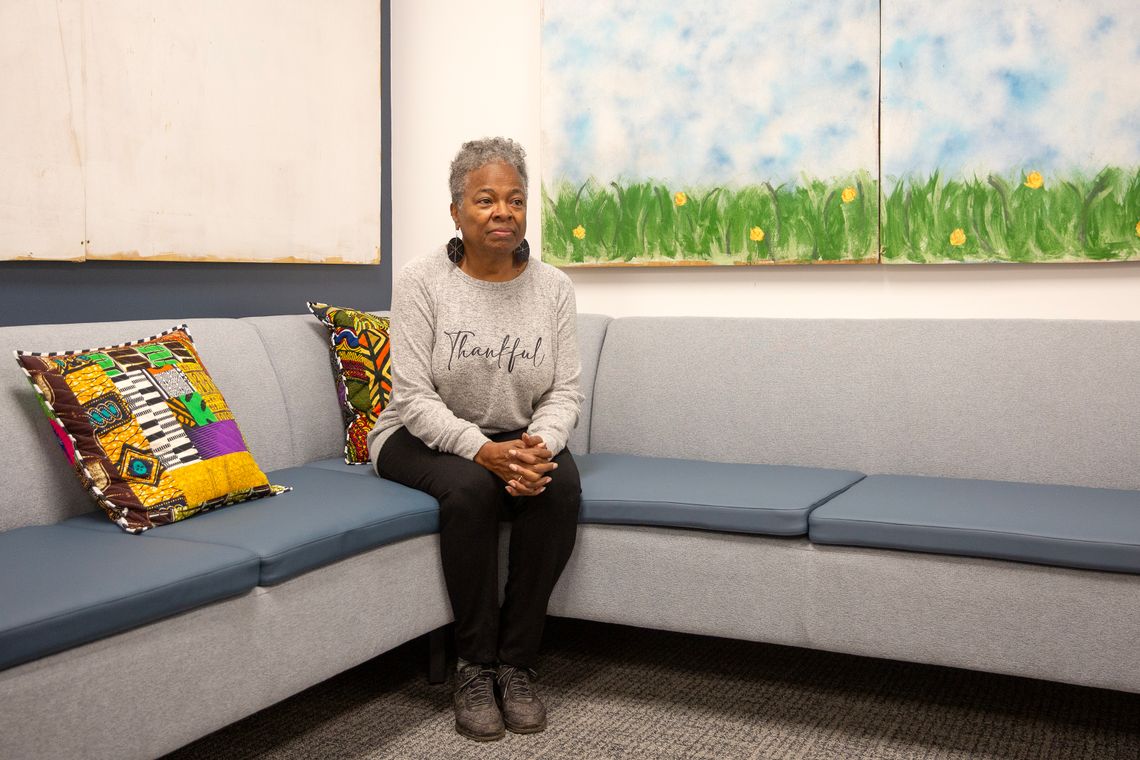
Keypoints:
pixel 455 248
pixel 521 254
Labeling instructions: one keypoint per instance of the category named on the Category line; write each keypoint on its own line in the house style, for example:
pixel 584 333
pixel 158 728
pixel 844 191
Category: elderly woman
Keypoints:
pixel 485 394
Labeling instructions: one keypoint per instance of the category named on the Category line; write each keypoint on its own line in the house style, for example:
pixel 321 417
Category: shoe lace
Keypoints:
pixel 478 686
pixel 517 681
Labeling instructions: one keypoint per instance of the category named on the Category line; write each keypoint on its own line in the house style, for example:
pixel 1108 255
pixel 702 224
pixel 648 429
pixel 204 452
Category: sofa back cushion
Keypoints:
pixel 591 334
pixel 298 347
pixel 1046 401
pixel 36 479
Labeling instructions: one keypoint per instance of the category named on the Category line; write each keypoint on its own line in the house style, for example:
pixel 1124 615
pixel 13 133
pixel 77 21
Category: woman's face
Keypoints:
pixel 492 216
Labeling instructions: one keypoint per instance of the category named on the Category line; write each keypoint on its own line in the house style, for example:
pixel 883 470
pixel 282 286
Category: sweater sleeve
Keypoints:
pixel 421 410
pixel 556 413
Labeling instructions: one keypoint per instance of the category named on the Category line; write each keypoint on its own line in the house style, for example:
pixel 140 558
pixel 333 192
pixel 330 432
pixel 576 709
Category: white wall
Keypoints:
pixel 462 70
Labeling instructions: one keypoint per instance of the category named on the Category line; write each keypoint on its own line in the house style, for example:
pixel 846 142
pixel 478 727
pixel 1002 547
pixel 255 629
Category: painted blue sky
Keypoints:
pixel 727 92
pixel 976 86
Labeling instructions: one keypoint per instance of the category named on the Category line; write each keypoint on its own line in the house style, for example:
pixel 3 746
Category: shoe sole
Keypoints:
pixel 526 729
pixel 479 737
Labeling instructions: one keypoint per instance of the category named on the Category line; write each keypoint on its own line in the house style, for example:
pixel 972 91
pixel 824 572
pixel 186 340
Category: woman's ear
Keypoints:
pixel 455 215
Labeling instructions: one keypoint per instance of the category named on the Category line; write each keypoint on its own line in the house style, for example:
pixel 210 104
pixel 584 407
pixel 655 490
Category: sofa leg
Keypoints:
pixel 437 655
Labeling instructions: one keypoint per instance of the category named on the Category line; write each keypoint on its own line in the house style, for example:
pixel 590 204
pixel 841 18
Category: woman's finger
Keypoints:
pixel 538 466
pixel 533 454
pixel 517 488
pixel 528 473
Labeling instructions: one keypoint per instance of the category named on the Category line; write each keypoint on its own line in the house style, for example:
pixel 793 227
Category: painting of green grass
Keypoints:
pixel 1026 218
pixel 648 223
pixel 929 133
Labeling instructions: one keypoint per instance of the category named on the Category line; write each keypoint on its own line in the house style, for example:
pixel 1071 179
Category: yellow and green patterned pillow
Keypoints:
pixel 362 363
pixel 146 430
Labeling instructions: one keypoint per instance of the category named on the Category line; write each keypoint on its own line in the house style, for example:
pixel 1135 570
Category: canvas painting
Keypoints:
pixel 1010 131
pixel 158 130
pixel 729 132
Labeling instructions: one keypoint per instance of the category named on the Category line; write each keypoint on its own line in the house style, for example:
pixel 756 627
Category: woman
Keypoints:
pixel 485 393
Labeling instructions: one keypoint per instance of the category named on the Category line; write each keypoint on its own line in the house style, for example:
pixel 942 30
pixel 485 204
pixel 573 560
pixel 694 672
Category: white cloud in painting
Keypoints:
pixel 974 86
pixel 736 91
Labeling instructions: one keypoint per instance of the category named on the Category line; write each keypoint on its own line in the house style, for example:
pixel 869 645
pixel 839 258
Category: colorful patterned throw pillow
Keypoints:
pixel 362 363
pixel 147 431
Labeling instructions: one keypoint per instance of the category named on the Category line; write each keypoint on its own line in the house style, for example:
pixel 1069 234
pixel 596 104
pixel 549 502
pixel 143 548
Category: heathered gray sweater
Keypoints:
pixel 471 358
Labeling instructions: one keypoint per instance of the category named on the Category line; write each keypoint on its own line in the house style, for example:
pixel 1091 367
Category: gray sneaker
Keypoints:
pixel 477 715
pixel 523 711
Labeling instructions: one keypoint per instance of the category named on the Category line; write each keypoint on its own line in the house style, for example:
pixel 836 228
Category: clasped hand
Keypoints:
pixel 523 464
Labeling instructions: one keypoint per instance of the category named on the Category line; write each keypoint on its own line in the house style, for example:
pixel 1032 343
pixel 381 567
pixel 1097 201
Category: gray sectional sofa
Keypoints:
pixel 962 493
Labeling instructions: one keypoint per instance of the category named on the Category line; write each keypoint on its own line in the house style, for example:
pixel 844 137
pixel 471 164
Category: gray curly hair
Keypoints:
pixel 476 154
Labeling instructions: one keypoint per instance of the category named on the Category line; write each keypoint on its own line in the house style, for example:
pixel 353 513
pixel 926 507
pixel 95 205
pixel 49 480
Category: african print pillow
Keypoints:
pixel 146 430
pixel 362 364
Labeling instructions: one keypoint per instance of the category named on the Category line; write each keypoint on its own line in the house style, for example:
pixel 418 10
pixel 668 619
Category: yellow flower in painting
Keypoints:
pixel 756 234
pixel 1034 180
pixel 957 237
pixel 849 194
pixel 680 199
pixel 1137 229
pixel 579 232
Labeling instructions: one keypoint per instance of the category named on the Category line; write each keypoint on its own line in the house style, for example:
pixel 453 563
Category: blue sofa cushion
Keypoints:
pixel 327 516
pixel 1068 526
pixel 337 464
pixel 739 498
pixel 61 587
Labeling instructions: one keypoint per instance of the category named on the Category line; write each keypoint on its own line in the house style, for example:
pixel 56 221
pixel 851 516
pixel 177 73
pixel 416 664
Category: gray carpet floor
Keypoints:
pixel 619 692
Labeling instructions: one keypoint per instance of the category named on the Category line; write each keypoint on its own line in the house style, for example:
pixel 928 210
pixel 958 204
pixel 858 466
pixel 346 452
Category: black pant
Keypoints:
pixel 472 500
